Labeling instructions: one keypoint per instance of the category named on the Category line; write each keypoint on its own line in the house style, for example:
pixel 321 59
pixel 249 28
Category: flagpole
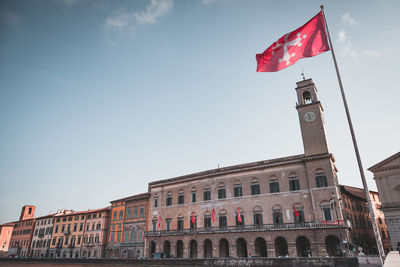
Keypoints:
pixel 360 167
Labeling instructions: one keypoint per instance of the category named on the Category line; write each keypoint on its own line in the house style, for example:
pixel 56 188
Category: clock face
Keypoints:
pixel 309 116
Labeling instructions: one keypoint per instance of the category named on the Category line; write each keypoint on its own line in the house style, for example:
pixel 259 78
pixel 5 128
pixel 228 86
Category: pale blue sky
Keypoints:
pixel 98 98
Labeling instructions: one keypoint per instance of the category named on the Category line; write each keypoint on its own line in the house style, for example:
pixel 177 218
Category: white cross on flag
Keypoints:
pixel 307 41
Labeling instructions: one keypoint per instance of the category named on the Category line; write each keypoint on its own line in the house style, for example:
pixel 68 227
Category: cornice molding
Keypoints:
pixel 253 166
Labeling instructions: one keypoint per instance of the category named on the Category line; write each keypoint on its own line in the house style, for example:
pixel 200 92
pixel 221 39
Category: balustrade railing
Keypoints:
pixel 252 227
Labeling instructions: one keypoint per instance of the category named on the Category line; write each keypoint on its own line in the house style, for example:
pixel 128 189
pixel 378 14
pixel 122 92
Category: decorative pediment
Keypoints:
pixel 393 162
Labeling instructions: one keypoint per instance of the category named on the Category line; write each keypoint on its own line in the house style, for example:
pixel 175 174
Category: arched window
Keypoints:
pixel 193 221
pixel 221 191
pixel 237 189
pixel 257 216
pixel 169 199
pixel 326 210
pixel 273 185
pixel 194 194
pixel 181 197
pixel 255 187
pixel 277 214
pixel 239 218
pixel 207 219
pixel 298 213
pixel 307 97
pixel 294 183
pixel 222 219
pixel 206 193
pixel 320 178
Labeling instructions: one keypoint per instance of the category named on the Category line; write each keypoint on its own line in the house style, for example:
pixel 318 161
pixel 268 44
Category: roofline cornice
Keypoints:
pixel 376 167
pixel 253 166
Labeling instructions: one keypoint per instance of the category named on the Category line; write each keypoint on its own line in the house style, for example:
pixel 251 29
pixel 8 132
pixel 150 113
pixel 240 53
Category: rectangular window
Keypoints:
pixel 237 191
pixel 54 241
pixel 277 217
pixel 98 227
pixel 56 230
pixel 62 228
pixel 206 195
pixel 193 226
pixel 274 186
pixel 89 216
pixel 135 212
pixel 168 224
pixel 326 210
pixel 169 200
pixel 81 227
pixel 180 224
pixel 193 196
pixel 222 222
pixel 154 225
pixel 156 202
pixel 66 240
pixel 258 221
pixel 141 212
pixel 121 214
pixel 300 218
pixel 321 179
pixel 181 198
pixel 75 227
pixel 129 213
pixel 64 219
pixel 69 219
pixel 118 237
pixel 255 188
pixel 115 215
pixel 93 226
pixel 207 222
pixel 238 223
pixel 140 236
pixel 221 193
pixel 294 184
pixel 112 237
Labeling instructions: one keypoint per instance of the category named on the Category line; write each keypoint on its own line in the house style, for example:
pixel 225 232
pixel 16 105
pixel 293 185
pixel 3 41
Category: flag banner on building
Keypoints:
pixel 295 211
pixel 159 222
pixel 193 220
pixel 307 41
pixel 239 218
pixel 213 215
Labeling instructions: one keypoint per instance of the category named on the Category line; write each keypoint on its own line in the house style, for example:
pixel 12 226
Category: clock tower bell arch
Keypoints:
pixel 311 119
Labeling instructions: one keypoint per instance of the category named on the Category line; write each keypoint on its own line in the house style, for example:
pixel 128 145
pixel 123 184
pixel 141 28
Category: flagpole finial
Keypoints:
pixel 302 74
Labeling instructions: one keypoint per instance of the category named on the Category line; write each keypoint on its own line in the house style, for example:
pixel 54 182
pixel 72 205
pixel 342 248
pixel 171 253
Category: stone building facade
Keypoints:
pixel 5 237
pixel 128 224
pixel 41 237
pixel 96 230
pixel 387 178
pixel 20 243
pixel 268 208
pixel 356 211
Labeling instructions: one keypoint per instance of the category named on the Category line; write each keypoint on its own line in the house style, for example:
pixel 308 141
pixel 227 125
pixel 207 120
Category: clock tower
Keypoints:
pixel 311 119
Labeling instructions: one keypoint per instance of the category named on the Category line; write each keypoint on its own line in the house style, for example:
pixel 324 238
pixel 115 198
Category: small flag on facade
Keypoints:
pixel 159 222
pixel 307 41
pixel 213 215
pixel 193 220
pixel 295 211
pixel 239 217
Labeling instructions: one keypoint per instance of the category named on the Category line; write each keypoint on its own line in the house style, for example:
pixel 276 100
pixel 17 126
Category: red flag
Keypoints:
pixel 239 218
pixel 159 222
pixel 307 41
pixel 193 220
pixel 295 211
pixel 213 215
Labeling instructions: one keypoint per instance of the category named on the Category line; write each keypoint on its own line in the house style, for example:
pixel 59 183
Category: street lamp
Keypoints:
pixel 332 202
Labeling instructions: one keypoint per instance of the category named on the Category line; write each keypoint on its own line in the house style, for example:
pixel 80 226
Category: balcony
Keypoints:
pixel 66 232
pixel 250 228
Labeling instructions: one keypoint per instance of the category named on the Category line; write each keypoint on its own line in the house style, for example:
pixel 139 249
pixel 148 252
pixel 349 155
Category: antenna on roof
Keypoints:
pixel 302 74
